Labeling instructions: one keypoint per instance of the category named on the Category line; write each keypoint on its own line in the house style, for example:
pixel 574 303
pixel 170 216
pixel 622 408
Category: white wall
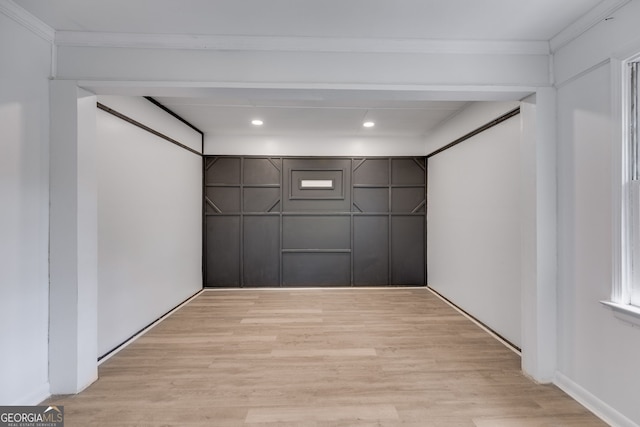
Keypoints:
pixel 597 353
pixel 149 220
pixel 473 225
pixel 24 187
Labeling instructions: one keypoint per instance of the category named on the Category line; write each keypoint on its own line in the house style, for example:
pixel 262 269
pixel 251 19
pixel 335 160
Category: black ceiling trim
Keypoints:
pixel 159 105
pixel 145 127
pixel 475 132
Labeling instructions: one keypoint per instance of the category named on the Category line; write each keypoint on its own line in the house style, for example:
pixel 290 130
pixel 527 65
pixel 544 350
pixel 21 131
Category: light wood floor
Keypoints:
pixel 343 357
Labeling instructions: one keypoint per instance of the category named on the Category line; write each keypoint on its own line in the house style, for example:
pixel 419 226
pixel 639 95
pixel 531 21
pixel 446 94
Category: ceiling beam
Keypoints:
pixel 299 44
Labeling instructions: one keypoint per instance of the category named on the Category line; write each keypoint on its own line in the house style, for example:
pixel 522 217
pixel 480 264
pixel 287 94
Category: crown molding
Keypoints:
pixel 298 44
pixel 603 10
pixel 27 20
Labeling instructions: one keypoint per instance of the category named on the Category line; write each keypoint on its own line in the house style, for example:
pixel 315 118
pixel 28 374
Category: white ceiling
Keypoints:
pixel 320 112
pixel 422 19
pixel 324 116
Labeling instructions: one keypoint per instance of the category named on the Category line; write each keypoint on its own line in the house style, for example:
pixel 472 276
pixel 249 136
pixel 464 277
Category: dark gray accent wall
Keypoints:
pixel 314 221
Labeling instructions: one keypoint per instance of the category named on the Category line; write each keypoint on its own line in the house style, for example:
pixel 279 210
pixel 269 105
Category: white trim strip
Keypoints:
pixel 604 62
pixel 592 403
pixel 625 312
pixel 37 396
pixel 483 327
pixel 299 44
pixel 586 22
pixel 145 330
pixel 27 20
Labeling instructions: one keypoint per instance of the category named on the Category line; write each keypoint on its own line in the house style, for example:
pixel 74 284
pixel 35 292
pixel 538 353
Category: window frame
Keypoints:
pixel 631 293
pixel 626 182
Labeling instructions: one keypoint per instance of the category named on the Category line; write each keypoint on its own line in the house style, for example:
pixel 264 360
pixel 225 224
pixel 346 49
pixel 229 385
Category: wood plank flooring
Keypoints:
pixel 316 358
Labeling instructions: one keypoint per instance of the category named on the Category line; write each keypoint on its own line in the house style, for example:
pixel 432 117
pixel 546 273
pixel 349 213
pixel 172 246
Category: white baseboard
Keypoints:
pixel 33 398
pixel 592 403
pixel 146 329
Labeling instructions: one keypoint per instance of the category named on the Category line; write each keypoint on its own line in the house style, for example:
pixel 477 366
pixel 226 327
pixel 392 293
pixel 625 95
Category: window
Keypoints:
pixel 625 296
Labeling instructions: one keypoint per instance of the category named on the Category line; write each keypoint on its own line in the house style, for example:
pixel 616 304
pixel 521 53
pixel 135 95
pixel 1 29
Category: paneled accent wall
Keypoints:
pixel 279 221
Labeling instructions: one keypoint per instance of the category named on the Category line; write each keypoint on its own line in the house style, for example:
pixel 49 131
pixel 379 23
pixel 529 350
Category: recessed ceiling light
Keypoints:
pixel 257 122
pixel 368 124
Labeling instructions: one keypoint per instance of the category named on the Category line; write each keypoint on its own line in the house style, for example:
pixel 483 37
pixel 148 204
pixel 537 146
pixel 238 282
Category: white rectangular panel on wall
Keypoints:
pixel 473 227
pixel 149 228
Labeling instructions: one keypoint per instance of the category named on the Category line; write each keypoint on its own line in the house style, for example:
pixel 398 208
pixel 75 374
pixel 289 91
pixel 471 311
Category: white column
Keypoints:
pixel 538 232
pixel 73 239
